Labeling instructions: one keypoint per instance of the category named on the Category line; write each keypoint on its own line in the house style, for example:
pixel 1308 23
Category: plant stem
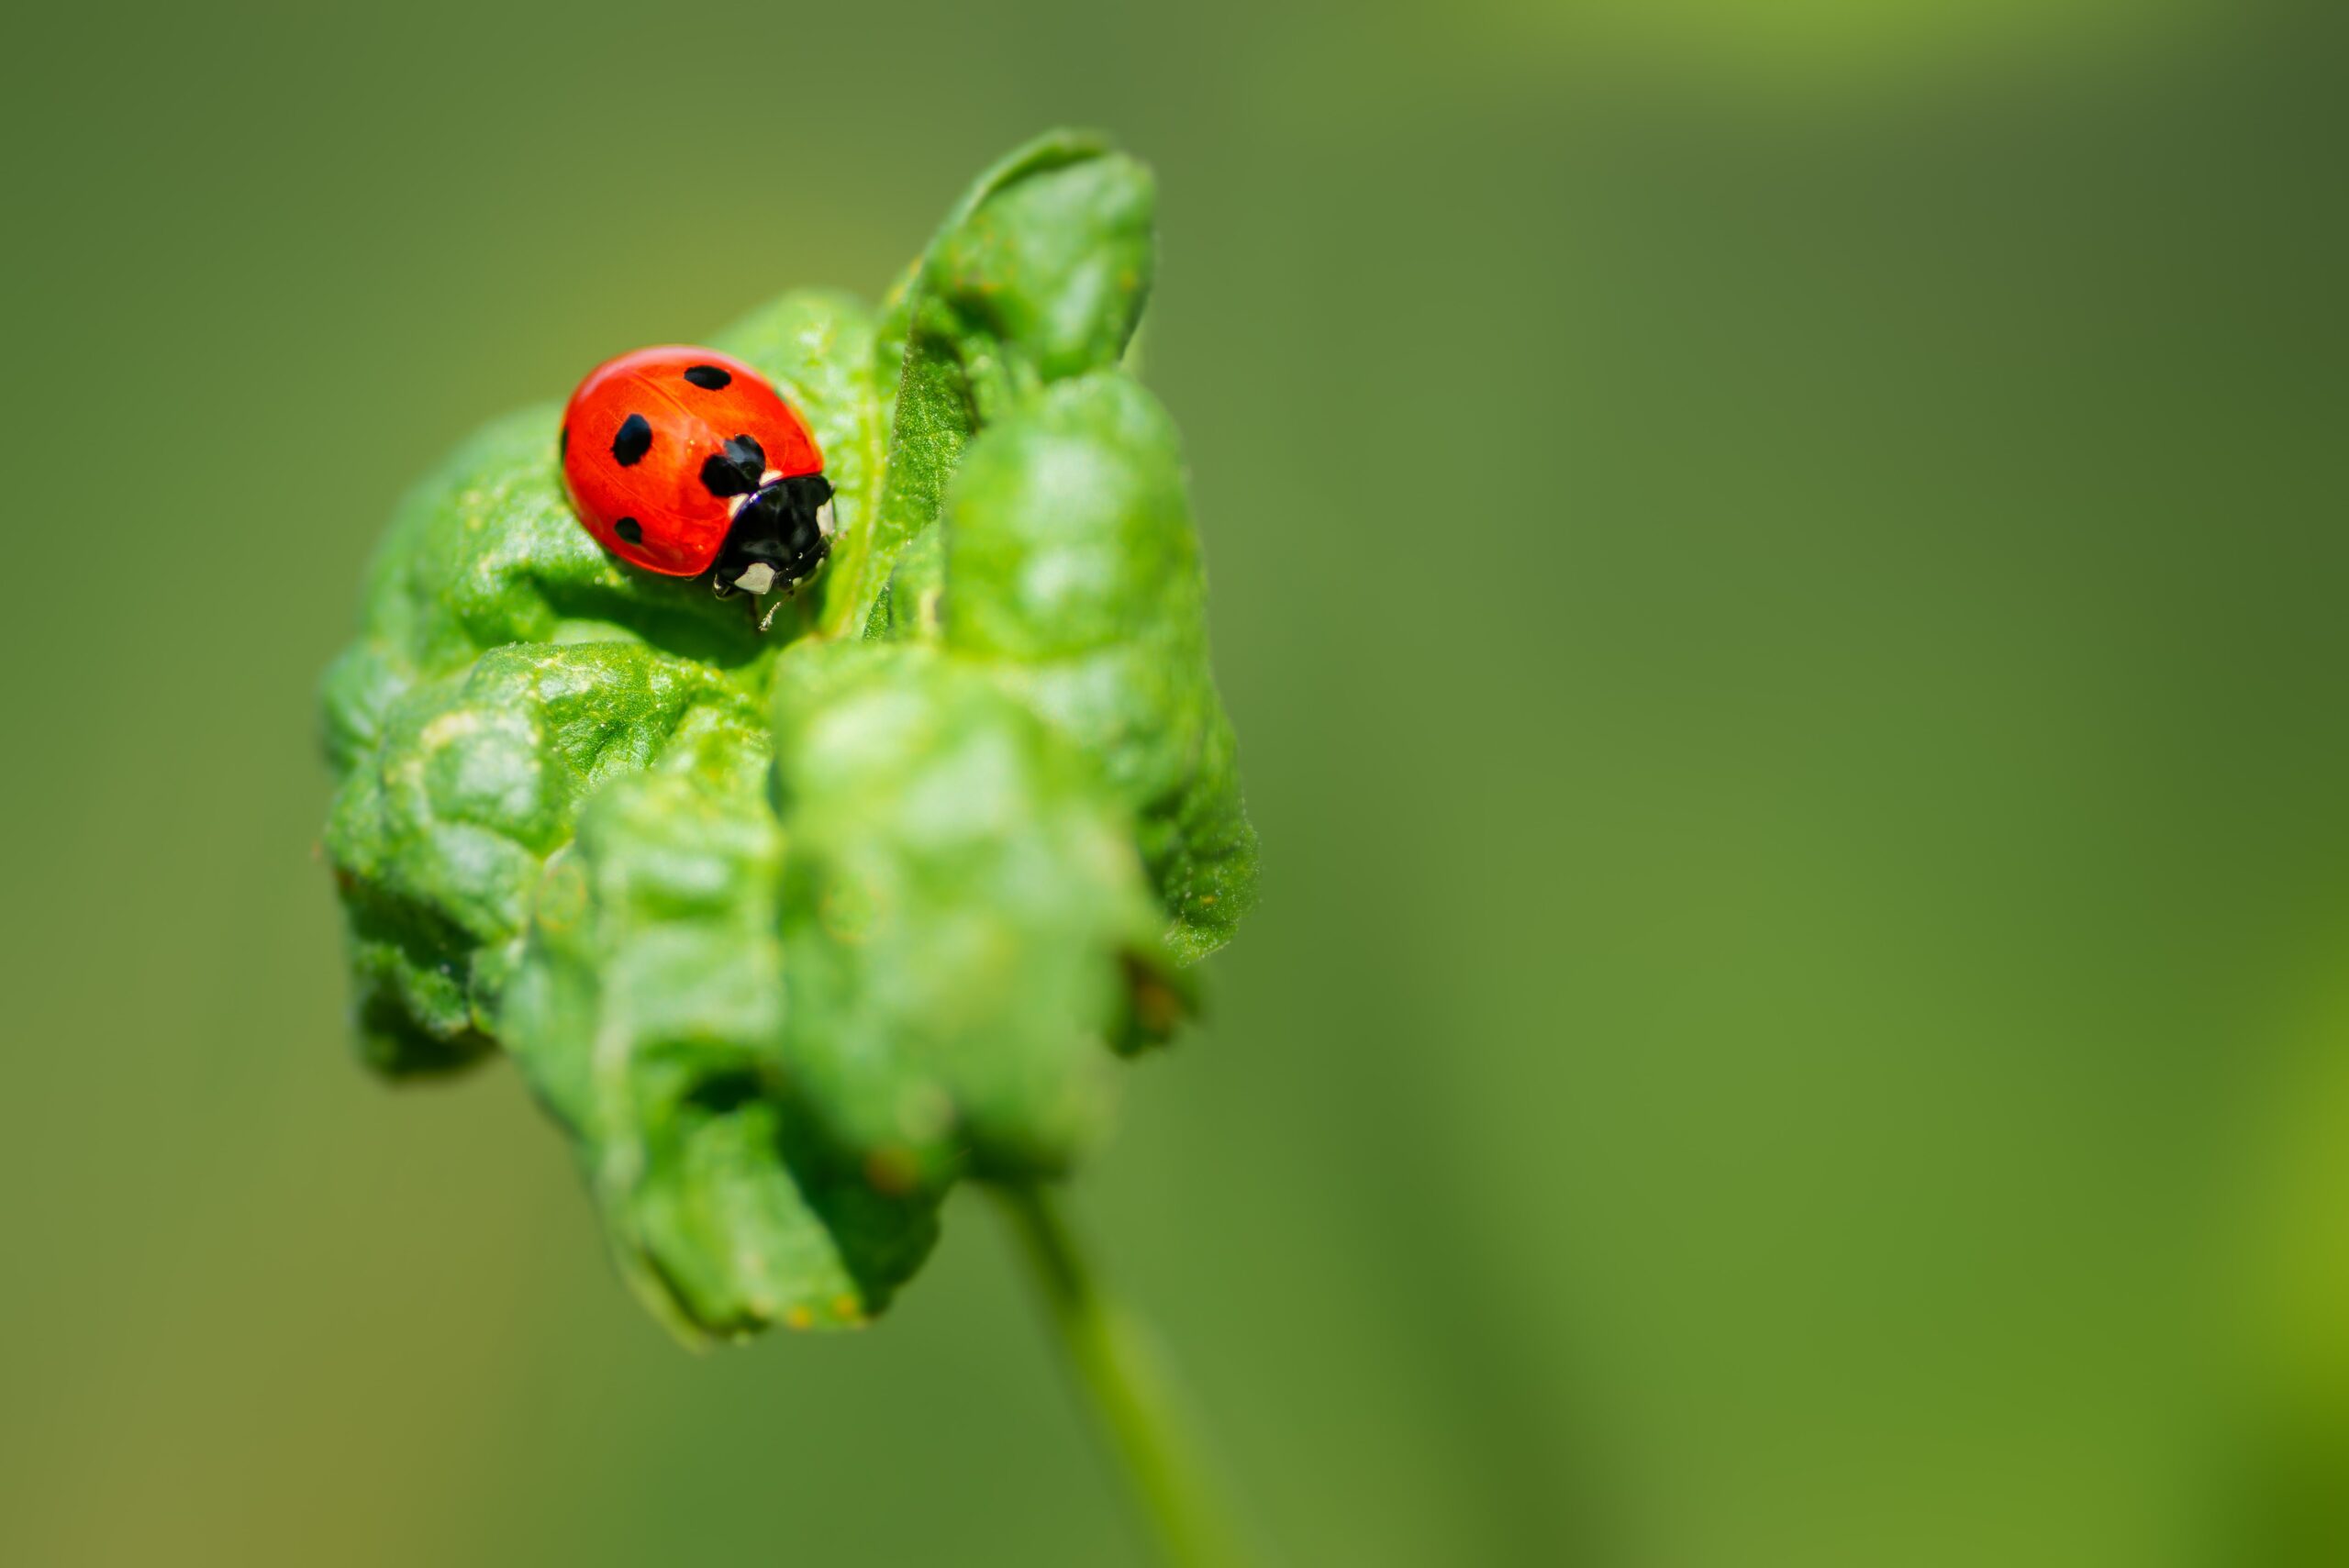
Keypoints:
pixel 1124 1378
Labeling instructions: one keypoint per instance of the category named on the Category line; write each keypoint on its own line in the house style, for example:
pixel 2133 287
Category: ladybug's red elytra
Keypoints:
pixel 683 460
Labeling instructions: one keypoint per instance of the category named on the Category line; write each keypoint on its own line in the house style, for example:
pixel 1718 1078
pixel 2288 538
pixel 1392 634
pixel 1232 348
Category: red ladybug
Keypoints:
pixel 686 462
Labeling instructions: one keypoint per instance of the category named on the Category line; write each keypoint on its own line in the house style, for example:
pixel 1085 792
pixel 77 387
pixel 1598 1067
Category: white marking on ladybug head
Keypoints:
pixel 757 579
pixel 824 517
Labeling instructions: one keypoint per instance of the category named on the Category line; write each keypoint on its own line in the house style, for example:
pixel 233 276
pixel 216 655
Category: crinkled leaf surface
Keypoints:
pixel 790 932
pixel 648 1016
pixel 963 907
pixel 440 830
pixel 1073 574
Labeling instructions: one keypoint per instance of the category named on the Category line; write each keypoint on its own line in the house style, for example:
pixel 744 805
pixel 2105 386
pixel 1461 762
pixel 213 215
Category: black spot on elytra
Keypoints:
pixel 720 477
pixel 629 529
pixel 710 378
pixel 737 470
pixel 563 443
pixel 634 441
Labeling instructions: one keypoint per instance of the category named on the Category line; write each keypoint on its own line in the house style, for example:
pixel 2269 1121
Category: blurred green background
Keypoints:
pixel 1779 572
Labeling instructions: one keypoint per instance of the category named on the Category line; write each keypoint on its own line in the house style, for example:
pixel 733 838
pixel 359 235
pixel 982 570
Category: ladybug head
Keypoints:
pixel 782 533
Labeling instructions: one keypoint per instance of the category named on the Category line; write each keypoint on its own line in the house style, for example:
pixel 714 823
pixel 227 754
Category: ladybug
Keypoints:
pixel 687 462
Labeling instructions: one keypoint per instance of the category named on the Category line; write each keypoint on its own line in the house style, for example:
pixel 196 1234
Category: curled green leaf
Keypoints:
pixel 439 831
pixel 791 930
pixel 964 912
pixel 648 1015
pixel 1041 272
pixel 1072 574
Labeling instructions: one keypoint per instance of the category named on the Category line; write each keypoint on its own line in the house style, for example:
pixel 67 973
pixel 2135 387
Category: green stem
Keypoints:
pixel 1125 1380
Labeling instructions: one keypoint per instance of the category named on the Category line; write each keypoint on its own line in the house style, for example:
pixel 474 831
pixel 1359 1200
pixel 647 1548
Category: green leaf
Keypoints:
pixel 486 553
pixel 648 1016
pixel 790 932
pixel 485 561
pixel 1073 574
pixel 439 831
pixel 1041 272
pixel 963 911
